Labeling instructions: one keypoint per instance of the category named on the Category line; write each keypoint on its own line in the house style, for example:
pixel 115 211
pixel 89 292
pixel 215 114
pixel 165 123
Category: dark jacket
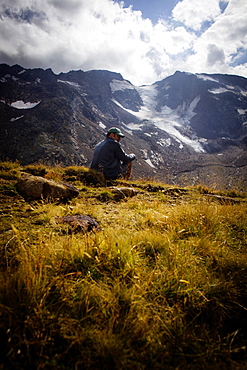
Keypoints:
pixel 108 158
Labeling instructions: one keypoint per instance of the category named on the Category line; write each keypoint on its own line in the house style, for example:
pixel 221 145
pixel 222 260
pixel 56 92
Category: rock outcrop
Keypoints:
pixel 35 187
pixel 123 192
pixel 79 223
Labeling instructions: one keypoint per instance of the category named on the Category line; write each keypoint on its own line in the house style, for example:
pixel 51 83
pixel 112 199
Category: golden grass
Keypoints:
pixel 162 284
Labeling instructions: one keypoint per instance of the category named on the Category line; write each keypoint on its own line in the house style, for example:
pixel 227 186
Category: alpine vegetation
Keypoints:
pixel 152 279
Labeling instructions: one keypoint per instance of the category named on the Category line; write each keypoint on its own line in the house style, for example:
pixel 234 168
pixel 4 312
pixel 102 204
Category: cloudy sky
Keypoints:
pixel 143 40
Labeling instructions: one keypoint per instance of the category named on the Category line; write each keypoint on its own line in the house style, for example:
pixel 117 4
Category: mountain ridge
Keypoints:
pixel 184 124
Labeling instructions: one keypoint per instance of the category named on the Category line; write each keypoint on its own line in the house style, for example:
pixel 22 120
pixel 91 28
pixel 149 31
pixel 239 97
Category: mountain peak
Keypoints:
pixel 185 122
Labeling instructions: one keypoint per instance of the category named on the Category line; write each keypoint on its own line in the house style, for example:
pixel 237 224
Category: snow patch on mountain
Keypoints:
pixel 165 142
pixel 102 125
pixel 131 125
pixel 148 161
pixel 74 84
pixel 206 78
pixel 243 92
pixel 242 111
pixel 19 104
pixel 219 90
pixel 8 77
pixel 184 110
pixel 117 85
pixel 16 118
pixel 21 72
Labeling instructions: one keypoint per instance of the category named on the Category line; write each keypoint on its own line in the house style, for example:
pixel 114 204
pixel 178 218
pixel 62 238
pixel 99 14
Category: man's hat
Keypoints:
pixel 115 130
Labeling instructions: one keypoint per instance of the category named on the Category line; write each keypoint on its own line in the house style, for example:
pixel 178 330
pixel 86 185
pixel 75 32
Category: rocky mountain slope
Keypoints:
pixel 187 128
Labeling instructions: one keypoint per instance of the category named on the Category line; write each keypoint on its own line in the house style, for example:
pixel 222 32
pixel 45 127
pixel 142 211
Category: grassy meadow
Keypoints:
pixel 160 285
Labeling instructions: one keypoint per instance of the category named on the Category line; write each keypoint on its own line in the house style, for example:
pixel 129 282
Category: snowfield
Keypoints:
pixel 168 120
pixel 19 104
pixel 117 85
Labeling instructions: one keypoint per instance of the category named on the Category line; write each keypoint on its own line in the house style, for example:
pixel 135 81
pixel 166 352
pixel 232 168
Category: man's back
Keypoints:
pixel 108 158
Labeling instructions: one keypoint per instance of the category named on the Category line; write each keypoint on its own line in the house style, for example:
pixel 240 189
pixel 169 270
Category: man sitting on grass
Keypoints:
pixel 109 157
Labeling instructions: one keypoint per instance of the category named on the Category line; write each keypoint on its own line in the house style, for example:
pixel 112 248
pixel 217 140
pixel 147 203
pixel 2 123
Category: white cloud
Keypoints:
pixel 192 13
pixel 217 48
pixel 172 40
pixel 215 55
pixel 102 34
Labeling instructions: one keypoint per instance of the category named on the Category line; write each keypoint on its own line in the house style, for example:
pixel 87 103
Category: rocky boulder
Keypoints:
pixel 79 223
pixel 123 192
pixel 36 187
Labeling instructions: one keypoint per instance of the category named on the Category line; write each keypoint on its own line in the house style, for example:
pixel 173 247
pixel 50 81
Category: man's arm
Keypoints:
pixel 121 155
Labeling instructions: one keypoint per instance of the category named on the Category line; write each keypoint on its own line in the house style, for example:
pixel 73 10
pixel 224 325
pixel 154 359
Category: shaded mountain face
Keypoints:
pixel 217 103
pixel 187 128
